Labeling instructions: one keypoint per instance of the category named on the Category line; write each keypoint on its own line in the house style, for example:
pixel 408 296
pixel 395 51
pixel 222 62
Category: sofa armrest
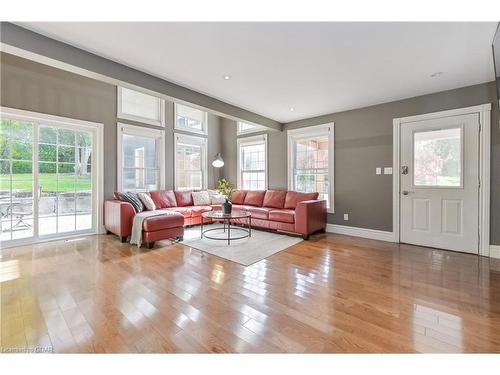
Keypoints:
pixel 310 216
pixel 118 217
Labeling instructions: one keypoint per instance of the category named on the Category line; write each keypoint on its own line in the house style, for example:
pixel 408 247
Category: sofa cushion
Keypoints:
pixel 187 212
pixel 294 197
pixel 200 198
pixel 198 210
pixel 133 199
pixel 274 198
pixel 283 216
pixel 183 198
pixel 254 198
pixel 163 199
pixel 257 212
pixel 238 197
pixel 171 219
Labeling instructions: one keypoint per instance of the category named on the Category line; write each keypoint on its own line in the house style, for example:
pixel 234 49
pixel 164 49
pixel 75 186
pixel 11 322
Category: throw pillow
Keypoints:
pixel 133 200
pixel 217 199
pixel 147 201
pixel 200 198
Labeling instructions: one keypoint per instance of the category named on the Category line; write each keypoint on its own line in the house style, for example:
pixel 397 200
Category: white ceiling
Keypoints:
pixel 315 68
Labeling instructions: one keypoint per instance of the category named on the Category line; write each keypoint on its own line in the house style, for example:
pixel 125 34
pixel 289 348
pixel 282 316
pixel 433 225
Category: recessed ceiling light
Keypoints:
pixel 437 74
pixel 292 109
pixel 226 77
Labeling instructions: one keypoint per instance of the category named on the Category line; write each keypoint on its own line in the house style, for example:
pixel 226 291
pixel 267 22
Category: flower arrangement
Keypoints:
pixel 226 188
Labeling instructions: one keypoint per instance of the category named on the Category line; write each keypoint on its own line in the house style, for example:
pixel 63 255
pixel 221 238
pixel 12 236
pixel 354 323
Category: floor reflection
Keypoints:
pixel 436 331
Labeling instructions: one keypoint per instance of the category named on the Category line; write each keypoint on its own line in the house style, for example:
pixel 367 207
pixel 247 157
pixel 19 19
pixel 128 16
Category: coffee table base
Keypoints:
pixel 227 229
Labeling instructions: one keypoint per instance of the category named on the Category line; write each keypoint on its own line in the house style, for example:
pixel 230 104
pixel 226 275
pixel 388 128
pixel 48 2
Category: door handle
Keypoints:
pixel 406 192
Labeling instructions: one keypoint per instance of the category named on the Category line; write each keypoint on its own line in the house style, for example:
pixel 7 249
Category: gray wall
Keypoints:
pixel 39 88
pixel 229 150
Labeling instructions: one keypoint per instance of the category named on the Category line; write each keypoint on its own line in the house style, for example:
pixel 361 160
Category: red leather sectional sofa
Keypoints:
pixel 287 211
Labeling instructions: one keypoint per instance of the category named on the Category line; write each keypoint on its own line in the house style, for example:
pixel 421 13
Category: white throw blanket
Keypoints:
pixel 136 237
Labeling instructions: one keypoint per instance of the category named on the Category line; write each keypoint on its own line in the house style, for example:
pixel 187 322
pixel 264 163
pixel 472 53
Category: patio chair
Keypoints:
pixel 19 210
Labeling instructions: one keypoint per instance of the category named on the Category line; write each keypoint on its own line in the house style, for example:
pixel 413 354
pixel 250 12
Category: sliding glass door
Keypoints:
pixel 47 183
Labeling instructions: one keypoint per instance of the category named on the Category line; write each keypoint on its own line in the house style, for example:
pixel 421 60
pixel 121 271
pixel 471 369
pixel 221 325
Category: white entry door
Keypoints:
pixel 440 183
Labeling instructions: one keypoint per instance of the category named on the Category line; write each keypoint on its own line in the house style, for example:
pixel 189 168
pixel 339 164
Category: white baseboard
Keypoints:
pixel 383 235
pixel 361 232
pixel 495 251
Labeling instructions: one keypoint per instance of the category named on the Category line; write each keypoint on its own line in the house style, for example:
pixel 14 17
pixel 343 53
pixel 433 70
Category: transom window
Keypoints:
pixel 141 107
pixel 245 128
pixel 140 153
pixel 311 161
pixel 190 162
pixel 190 119
pixel 252 163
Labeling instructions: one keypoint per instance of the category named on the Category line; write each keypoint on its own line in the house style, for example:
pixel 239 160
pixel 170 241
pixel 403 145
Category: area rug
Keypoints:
pixel 245 251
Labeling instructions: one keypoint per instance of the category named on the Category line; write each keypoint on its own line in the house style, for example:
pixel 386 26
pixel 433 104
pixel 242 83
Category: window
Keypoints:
pixel 138 106
pixel 190 119
pixel 140 158
pixel 190 162
pixel 311 161
pixel 252 163
pixel 437 158
pixel 245 128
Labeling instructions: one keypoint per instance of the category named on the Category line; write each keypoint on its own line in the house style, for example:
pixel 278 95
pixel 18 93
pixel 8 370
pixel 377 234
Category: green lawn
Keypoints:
pixel 48 182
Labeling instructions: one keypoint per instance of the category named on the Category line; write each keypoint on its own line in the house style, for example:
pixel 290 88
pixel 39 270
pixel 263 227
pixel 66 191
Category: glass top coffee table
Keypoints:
pixel 237 231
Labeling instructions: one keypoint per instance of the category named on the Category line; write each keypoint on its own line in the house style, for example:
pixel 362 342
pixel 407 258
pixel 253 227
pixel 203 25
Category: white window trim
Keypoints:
pixel 141 132
pixel 258 128
pixel 126 116
pixel 311 131
pixel 197 141
pixel 257 139
pixel 204 131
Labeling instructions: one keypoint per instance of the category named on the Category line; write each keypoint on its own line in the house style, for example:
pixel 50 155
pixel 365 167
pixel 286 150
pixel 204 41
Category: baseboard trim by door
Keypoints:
pixel 361 232
pixel 495 251
pixel 383 235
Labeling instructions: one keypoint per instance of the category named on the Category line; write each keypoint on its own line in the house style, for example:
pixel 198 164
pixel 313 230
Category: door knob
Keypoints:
pixel 406 192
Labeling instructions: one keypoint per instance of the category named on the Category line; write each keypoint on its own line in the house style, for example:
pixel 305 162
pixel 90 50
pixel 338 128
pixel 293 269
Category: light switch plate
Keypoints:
pixel 346 217
pixel 388 170
pixel 378 170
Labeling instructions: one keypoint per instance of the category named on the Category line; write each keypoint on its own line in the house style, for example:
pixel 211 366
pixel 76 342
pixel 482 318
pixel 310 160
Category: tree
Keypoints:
pixel 83 153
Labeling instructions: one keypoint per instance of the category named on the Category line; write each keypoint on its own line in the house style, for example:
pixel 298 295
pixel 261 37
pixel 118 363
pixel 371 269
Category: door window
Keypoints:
pixel 437 158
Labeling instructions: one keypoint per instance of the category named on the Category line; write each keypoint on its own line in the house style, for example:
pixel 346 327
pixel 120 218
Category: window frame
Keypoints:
pixel 253 140
pixel 327 129
pixel 204 130
pixel 140 131
pixel 258 128
pixel 195 140
pixel 126 116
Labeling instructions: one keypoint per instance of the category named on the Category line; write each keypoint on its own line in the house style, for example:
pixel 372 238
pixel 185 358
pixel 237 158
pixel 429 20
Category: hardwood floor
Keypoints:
pixel 330 294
